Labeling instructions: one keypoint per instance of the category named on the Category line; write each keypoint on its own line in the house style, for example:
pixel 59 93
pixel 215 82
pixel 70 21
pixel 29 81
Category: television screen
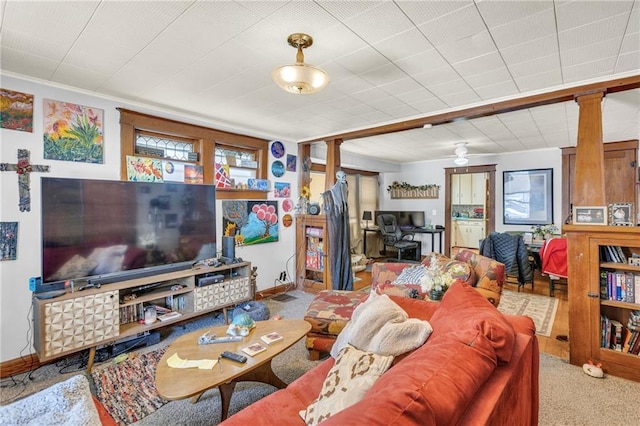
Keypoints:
pixel 418 219
pixel 111 229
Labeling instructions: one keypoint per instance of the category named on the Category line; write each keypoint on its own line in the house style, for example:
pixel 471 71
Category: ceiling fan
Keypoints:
pixel 461 154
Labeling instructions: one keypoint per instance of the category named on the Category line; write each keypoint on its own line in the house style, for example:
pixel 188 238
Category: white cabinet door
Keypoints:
pixel 478 189
pixel 468 233
pixel 465 188
pixel 455 189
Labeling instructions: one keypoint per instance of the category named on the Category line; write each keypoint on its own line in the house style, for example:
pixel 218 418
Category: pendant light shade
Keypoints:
pixel 300 78
pixel 461 154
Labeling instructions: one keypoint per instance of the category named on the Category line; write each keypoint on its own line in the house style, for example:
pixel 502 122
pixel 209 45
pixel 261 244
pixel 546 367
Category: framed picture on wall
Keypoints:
pixel 528 197
pixel 589 215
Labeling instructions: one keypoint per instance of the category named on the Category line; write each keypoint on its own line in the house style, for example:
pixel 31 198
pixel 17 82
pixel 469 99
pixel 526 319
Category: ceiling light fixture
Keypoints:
pixel 461 154
pixel 300 78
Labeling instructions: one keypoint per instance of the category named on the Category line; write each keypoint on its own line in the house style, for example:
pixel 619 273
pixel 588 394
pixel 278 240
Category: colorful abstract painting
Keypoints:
pixel 251 222
pixel 193 174
pixel 16 110
pixel 143 169
pixel 8 240
pixel 222 176
pixel 282 189
pixel 73 132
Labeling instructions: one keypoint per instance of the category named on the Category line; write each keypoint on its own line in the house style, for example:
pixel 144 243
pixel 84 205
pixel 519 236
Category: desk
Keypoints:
pixel 432 231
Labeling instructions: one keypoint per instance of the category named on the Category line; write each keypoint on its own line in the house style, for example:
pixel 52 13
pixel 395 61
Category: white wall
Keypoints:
pixel 432 172
pixel 15 297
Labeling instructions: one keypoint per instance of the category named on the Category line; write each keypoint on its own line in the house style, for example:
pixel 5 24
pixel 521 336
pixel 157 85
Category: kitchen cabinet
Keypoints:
pixel 468 189
pixel 468 233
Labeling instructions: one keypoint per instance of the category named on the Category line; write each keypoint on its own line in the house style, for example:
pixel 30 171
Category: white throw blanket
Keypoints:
pixel 66 403
pixel 380 326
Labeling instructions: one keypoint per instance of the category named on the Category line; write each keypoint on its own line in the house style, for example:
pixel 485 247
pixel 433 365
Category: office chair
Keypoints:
pixel 393 236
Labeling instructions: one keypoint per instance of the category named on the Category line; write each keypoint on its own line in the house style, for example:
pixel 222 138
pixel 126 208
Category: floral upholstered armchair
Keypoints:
pixel 486 275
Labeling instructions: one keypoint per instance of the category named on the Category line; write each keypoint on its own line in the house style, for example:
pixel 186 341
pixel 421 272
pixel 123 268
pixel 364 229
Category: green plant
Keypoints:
pixel 542 230
pixel 407 186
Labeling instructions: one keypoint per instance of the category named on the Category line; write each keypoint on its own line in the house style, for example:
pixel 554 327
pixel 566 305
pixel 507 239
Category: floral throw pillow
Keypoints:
pixel 410 275
pixel 352 375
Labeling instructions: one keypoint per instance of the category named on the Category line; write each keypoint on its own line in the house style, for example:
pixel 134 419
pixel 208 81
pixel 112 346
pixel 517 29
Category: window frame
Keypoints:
pixel 205 140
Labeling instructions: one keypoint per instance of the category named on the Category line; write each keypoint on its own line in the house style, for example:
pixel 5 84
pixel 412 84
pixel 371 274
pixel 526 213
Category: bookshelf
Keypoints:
pixel 312 266
pixel 86 319
pixel 589 303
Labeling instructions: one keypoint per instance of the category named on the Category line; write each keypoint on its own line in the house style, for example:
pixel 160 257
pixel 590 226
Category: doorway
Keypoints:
pixel 453 201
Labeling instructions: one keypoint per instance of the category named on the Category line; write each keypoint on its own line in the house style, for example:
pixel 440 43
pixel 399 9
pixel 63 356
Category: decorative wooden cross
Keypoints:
pixel 23 168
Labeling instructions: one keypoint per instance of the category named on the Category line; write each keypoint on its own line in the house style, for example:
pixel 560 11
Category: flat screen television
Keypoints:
pixel 405 219
pixel 100 231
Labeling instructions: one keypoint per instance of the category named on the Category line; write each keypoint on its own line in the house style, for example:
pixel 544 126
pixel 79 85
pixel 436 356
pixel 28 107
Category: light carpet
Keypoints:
pixel 541 309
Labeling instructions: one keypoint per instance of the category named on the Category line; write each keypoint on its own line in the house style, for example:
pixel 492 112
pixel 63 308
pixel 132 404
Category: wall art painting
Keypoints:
pixel 8 240
pixel 528 197
pixel 143 169
pixel 282 189
pixel 277 149
pixel 222 178
pixel 16 110
pixel 193 174
pixel 277 168
pixel 250 222
pixel 73 132
pixel 292 161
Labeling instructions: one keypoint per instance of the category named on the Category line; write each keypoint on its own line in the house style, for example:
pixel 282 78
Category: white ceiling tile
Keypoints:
pixel 424 11
pixel 460 98
pixel 434 77
pixel 491 77
pixel 79 77
pixel 589 70
pixel 537 66
pixel 343 10
pixel 454 86
pixel 628 62
pixel 429 105
pixel 539 81
pixel 473 46
pixel 496 13
pixel 578 13
pixel 362 60
pixel 498 90
pixel 384 74
pixel 601 50
pixel 379 23
pixel 593 33
pixel 481 64
pixel 530 28
pixel 415 96
pixel 427 60
pixel 403 45
pixel 404 85
pixel 459 24
pixel 631 43
pixel 24 63
pixel 25 41
pixel 529 50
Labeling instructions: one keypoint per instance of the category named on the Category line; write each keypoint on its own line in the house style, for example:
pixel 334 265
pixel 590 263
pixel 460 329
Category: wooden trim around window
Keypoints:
pixel 205 140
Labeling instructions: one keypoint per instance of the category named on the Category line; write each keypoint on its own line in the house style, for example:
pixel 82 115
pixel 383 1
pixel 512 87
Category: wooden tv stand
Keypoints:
pixel 98 316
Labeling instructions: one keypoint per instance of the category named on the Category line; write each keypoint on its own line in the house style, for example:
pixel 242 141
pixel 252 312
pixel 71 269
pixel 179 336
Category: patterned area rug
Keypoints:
pixel 127 390
pixel 541 309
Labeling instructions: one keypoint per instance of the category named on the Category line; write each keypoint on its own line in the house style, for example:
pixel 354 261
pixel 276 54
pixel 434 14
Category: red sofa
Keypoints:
pixel 478 367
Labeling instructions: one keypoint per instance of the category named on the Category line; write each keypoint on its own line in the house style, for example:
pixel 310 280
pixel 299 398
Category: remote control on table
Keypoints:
pixel 234 357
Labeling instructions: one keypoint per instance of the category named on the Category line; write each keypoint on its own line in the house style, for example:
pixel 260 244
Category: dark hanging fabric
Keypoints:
pixel 337 213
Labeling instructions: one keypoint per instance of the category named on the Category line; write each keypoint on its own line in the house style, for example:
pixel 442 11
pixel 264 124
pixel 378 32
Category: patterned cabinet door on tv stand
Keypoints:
pixel 100 316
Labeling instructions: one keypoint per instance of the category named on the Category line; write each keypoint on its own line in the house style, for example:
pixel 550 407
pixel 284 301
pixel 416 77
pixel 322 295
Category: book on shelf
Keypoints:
pixel 271 337
pixel 254 349
pixel 616 335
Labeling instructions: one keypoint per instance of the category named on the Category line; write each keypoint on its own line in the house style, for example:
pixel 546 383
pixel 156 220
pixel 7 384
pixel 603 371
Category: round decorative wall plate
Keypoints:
pixel 277 149
pixel 287 204
pixel 287 220
pixel 277 168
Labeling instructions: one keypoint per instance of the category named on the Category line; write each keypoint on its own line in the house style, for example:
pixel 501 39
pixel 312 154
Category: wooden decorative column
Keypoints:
pixel 333 162
pixel 589 179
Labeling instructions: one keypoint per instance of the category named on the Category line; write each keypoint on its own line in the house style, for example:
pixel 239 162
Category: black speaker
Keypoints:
pixel 229 247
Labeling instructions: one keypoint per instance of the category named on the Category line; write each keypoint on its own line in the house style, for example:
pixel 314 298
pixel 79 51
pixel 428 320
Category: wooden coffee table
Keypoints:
pixel 181 383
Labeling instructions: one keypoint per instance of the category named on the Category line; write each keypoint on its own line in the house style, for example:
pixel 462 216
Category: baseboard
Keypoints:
pixel 282 288
pixel 19 365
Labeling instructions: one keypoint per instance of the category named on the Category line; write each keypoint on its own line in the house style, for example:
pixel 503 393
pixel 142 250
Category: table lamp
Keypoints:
pixel 366 215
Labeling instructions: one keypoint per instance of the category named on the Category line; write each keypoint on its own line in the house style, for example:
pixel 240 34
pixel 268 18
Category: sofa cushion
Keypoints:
pixel 379 325
pixel 462 308
pixel 352 375
pixel 490 274
pixel 432 386
pixel 410 275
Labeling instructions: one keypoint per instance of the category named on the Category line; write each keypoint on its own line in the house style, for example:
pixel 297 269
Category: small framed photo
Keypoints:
pixel 589 215
pixel 527 237
pixel 621 214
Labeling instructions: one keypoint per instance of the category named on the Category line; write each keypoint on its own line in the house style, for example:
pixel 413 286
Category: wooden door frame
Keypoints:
pixel 491 199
